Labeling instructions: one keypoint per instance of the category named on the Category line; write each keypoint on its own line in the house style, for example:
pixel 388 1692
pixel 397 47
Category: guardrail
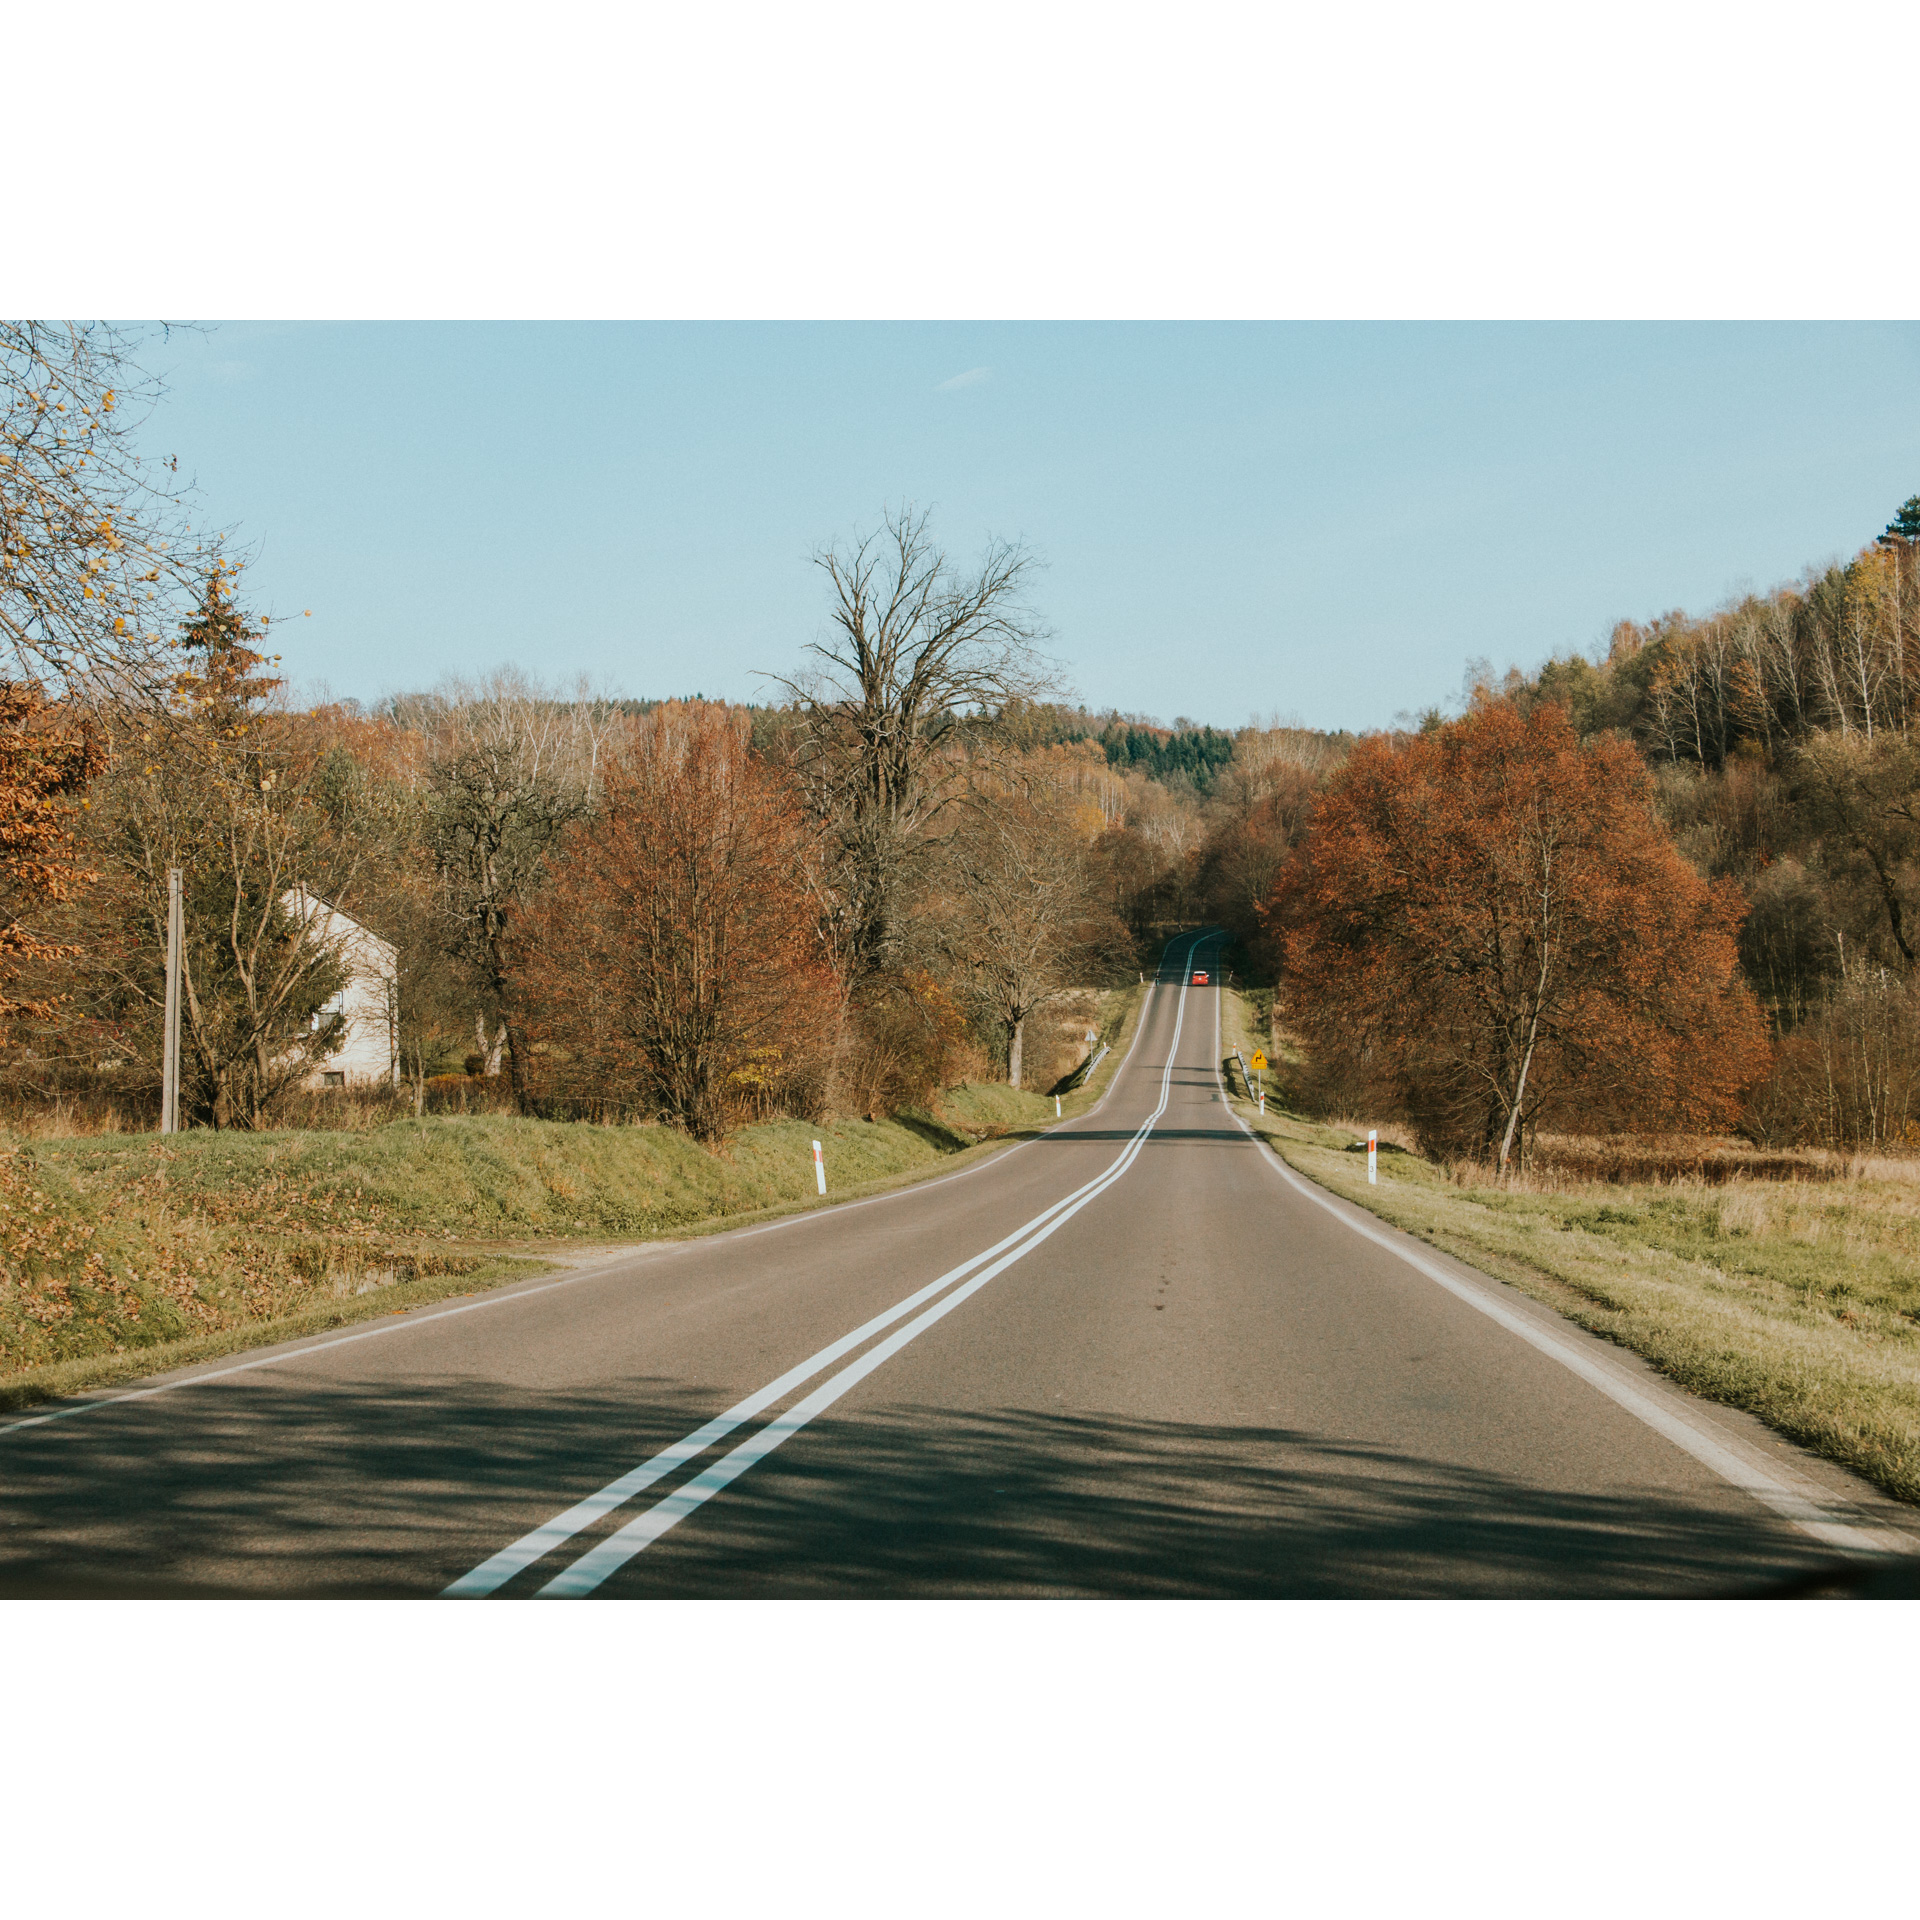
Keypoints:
pixel 1084 1071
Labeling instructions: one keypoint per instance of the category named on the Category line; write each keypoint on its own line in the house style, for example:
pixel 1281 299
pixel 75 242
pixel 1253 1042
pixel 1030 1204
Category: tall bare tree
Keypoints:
pixel 1017 914
pixel 922 657
pixel 96 552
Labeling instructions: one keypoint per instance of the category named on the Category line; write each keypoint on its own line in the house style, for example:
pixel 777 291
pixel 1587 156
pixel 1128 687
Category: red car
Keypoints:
pixel 1199 978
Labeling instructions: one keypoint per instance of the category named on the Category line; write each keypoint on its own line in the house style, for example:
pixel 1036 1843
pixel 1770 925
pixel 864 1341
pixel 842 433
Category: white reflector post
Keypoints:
pixel 1373 1158
pixel 819 1168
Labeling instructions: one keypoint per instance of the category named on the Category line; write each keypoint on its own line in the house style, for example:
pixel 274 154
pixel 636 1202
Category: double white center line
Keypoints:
pixel 617 1549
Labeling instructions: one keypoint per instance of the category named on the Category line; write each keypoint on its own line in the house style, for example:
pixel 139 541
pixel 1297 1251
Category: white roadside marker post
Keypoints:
pixel 1373 1157
pixel 1056 1106
pixel 819 1168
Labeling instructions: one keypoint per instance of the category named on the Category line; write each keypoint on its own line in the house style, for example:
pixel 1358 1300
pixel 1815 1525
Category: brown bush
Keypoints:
pixel 906 1038
pixel 48 756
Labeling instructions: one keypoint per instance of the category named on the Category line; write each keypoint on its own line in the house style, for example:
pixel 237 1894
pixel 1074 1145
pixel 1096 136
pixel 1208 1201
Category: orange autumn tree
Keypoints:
pixel 47 757
pixel 671 962
pixel 1488 925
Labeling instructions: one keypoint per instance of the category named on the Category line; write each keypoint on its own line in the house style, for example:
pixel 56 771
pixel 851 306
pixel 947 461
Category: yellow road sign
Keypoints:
pixel 1259 1059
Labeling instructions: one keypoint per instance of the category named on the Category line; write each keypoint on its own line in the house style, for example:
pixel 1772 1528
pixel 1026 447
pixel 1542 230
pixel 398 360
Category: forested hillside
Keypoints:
pixel 1776 746
pixel 598 907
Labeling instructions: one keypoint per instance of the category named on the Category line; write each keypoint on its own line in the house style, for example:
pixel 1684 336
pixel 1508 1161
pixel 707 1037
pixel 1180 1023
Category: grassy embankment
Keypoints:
pixel 125 1254
pixel 1796 1299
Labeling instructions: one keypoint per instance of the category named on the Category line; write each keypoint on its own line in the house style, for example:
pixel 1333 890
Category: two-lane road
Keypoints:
pixel 1130 1356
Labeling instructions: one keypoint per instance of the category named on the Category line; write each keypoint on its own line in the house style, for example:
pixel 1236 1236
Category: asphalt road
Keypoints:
pixel 1130 1356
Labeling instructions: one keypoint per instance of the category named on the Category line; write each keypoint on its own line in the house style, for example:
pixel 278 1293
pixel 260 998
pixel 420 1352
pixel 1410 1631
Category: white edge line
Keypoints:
pixel 504 1296
pixel 1788 1502
pixel 498 1298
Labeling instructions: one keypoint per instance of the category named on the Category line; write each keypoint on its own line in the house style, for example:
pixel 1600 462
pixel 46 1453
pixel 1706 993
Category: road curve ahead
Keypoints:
pixel 1129 1356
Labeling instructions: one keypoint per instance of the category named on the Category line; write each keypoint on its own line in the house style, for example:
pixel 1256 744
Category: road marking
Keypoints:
pixel 506 1295
pixel 1689 1435
pixel 501 1568
pixel 637 1535
pixel 594 1566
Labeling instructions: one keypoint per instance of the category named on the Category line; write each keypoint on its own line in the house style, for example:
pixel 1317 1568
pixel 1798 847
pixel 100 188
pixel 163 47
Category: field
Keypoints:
pixel 1785 1284
pixel 123 1252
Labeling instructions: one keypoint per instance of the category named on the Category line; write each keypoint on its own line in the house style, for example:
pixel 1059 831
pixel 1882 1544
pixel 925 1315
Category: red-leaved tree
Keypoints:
pixel 1489 926
pixel 47 757
pixel 671 963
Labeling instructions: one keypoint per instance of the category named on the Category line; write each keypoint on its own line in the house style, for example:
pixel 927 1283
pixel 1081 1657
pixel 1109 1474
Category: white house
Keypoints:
pixel 369 1049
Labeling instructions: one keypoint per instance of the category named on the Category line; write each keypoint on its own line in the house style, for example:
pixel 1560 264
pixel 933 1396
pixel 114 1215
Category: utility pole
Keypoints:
pixel 170 1039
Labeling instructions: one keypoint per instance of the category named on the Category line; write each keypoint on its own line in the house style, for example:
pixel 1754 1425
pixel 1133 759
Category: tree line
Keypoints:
pixel 1676 886
pixel 845 897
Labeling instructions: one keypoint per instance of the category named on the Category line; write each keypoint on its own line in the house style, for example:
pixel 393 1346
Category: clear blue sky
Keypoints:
pixel 1320 519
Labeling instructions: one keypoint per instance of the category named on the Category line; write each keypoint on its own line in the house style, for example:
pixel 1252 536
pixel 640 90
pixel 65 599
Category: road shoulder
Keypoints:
pixel 1581 1293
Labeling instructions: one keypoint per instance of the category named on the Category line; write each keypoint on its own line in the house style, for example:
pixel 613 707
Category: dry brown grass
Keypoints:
pixel 1652 1160
pixel 1390 1135
pixel 63 1119
pixel 95 1115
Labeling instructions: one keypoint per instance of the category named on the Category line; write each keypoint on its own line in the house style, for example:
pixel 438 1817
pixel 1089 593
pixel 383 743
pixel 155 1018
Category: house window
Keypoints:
pixel 333 1079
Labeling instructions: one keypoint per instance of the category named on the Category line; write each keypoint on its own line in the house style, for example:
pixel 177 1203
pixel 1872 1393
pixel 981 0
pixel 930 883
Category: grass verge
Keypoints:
pixel 122 1255
pixel 1797 1301
pixel 84 1373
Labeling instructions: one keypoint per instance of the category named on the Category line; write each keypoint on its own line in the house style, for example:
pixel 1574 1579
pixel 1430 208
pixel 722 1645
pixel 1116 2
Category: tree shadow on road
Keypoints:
pixel 292 1487
pixel 1018 1503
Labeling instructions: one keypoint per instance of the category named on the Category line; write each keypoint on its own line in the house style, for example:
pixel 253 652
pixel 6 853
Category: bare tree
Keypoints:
pixel 922 659
pixel 1862 796
pixel 96 551
pixel 432 994
pixel 1018 917
pixel 510 767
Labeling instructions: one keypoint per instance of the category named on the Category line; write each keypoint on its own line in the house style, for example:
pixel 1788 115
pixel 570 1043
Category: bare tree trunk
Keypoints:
pixel 1519 1099
pixel 489 1050
pixel 1019 1025
pixel 1533 1028
pixel 516 1061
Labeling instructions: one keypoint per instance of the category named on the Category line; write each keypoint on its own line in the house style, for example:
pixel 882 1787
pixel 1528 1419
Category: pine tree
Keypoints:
pixel 1905 525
